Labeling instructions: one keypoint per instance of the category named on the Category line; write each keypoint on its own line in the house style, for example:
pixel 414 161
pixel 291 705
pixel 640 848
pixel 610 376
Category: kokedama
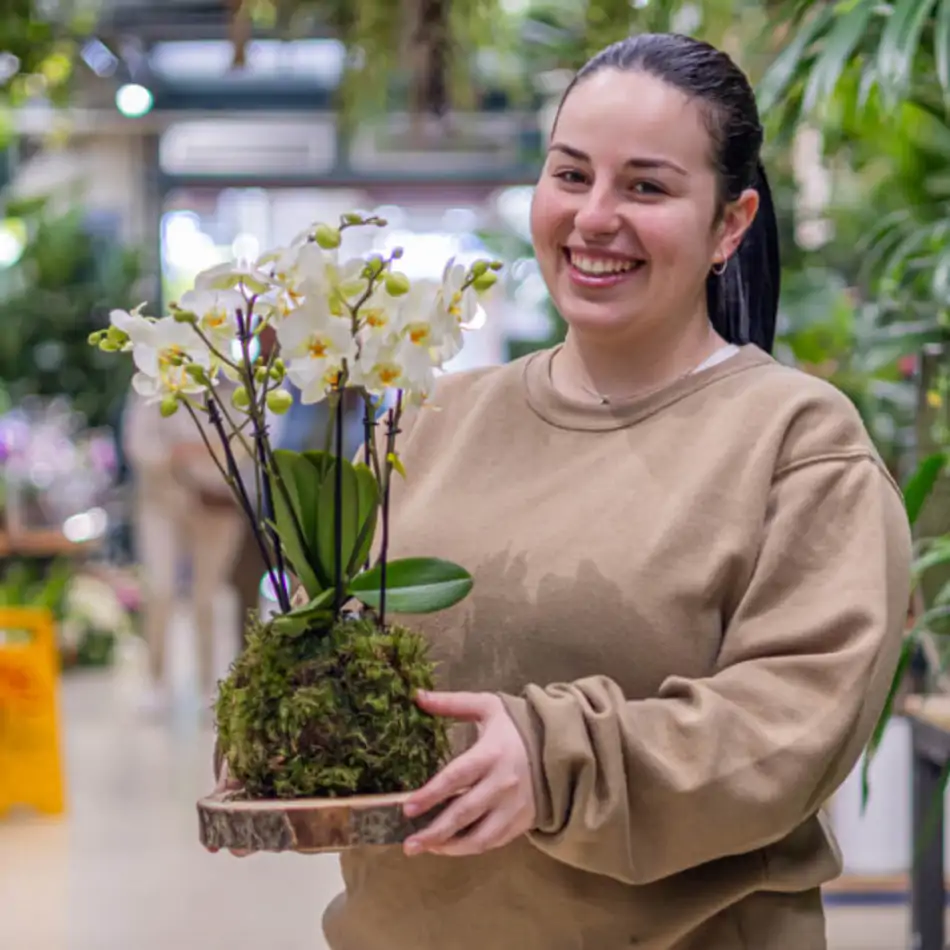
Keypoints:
pixel 319 707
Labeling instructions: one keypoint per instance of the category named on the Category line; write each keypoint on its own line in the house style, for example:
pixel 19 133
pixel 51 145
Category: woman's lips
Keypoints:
pixel 600 271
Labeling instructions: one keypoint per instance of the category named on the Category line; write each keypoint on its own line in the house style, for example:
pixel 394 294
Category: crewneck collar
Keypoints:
pixel 565 413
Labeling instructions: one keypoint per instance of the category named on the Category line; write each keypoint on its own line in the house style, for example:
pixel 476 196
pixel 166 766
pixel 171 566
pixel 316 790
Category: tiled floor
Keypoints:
pixel 123 870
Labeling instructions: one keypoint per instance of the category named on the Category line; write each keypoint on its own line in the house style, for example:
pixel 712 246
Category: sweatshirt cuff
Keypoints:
pixel 529 728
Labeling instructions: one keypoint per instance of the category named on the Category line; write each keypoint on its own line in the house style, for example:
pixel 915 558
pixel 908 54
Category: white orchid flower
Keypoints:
pixel 394 362
pixel 248 279
pixel 132 323
pixel 216 311
pixel 315 344
pixel 161 357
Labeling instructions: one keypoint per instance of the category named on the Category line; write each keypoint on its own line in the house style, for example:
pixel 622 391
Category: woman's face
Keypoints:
pixel 624 215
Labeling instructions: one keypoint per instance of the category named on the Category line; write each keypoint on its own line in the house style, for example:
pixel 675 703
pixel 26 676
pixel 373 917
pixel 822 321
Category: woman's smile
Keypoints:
pixel 600 269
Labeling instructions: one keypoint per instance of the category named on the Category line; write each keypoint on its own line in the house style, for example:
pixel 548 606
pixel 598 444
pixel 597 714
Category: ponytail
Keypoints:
pixel 743 299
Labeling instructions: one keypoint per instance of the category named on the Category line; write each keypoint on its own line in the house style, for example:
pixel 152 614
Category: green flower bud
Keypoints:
pixel 197 373
pixel 96 337
pixel 278 371
pixel 168 406
pixel 374 266
pixel 184 316
pixel 328 238
pixel 279 401
pixel 496 265
pixel 479 268
pixel 397 284
pixel 382 223
pixel 241 398
pixel 351 217
pixel 107 346
pixel 485 282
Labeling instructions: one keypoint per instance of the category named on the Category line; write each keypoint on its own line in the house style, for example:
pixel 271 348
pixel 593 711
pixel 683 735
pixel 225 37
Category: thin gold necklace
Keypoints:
pixel 606 400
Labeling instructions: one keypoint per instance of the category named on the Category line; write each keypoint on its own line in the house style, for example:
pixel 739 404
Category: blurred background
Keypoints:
pixel 142 141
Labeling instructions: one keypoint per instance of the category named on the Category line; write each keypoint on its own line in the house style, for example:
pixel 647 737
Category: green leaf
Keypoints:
pixel 921 484
pixel 298 619
pixel 839 45
pixel 942 46
pixel 415 585
pixel 326 517
pixel 899 43
pixel 789 62
pixel 296 472
pixel 368 498
pixel 906 655
pixel 939 554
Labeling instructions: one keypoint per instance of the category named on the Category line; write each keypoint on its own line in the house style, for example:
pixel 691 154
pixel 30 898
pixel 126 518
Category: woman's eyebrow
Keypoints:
pixel 646 163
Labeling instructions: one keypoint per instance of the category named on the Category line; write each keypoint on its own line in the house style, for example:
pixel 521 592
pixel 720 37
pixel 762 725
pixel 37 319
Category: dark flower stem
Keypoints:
pixel 369 437
pixel 338 507
pixel 214 416
pixel 392 430
pixel 264 487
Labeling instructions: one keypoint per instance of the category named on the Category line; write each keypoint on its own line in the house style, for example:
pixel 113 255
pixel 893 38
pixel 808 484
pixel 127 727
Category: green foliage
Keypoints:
pixel 416 585
pixel 888 49
pixel 330 715
pixel 31 583
pixel 310 480
pixel 61 288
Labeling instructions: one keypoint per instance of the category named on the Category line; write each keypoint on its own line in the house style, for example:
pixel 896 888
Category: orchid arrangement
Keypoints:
pixel 327 325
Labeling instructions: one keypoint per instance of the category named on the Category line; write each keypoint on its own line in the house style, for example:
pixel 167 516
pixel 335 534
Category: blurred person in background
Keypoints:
pixel 184 516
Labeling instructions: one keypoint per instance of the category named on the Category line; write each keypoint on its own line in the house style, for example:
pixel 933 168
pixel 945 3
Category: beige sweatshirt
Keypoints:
pixel 692 605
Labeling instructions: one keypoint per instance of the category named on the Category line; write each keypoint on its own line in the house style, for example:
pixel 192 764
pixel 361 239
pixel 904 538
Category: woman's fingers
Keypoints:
pixel 464 812
pixel 497 830
pixel 460 774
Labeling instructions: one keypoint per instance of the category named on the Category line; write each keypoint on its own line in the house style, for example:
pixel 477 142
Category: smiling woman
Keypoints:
pixel 691 569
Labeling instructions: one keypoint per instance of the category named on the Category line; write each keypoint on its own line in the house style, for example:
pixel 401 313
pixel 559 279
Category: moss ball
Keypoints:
pixel 329 712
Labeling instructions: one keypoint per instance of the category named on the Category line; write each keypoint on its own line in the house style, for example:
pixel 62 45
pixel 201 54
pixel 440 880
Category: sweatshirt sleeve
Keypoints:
pixel 640 790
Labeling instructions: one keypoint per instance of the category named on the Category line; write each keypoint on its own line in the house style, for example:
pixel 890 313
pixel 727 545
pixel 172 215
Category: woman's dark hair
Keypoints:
pixel 743 300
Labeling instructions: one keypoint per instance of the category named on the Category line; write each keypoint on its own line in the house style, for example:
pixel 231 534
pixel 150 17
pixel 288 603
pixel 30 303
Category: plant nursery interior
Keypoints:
pixel 149 145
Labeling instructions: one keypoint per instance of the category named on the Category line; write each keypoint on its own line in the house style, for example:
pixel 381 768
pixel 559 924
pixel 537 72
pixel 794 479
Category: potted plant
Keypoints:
pixel 316 720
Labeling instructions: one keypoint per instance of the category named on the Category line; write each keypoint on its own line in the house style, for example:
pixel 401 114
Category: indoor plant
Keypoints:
pixel 316 719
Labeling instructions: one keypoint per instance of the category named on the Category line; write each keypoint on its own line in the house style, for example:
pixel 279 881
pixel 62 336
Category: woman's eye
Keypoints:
pixel 571 176
pixel 647 188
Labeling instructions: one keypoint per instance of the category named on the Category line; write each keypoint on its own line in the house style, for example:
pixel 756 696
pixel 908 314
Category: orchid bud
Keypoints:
pixel 197 372
pixel 397 284
pixel 279 401
pixel 485 282
pixel 96 337
pixel 278 371
pixel 184 316
pixel 479 268
pixel 241 399
pixel 351 217
pixel 496 265
pixel 328 238
pixel 168 406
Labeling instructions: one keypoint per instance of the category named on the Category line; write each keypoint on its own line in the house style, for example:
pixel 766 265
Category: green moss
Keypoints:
pixel 329 713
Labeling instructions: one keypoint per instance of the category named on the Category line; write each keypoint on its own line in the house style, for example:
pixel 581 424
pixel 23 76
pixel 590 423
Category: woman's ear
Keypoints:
pixel 736 220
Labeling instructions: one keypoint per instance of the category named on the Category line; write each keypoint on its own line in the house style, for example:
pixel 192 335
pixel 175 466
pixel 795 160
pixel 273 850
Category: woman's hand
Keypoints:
pixel 490 783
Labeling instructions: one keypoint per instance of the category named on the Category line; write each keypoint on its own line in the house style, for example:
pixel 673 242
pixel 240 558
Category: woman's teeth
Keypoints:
pixel 596 266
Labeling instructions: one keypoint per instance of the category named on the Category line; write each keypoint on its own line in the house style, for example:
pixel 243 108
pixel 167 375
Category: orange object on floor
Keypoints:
pixel 31 770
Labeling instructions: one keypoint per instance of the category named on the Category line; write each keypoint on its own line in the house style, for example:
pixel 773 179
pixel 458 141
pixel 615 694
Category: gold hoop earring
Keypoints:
pixel 720 268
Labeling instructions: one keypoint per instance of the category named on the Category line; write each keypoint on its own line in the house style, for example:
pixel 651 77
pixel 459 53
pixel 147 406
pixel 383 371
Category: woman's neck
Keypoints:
pixel 589 367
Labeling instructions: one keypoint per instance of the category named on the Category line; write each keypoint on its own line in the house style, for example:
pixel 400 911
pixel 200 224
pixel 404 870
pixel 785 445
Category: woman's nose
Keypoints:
pixel 598 215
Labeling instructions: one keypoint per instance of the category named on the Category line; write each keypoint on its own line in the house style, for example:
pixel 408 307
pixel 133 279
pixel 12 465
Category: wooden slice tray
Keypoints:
pixel 305 825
